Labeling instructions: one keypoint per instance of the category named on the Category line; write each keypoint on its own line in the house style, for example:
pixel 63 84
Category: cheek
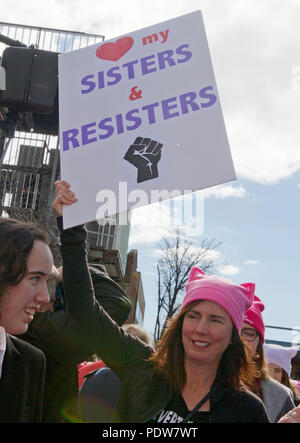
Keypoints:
pixel 185 331
pixel 3 303
pixel 9 308
pixel 252 347
pixel 225 337
pixel 277 376
pixel 15 297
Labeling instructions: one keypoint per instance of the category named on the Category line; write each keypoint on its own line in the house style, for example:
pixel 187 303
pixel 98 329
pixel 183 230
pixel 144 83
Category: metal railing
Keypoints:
pixel 30 161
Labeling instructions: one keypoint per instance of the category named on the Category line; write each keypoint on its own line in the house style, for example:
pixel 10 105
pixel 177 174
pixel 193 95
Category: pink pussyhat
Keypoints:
pixel 235 299
pixel 254 317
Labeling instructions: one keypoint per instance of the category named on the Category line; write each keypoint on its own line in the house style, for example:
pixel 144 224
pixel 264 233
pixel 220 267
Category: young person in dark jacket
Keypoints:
pixel 63 340
pixel 25 264
pixel 200 353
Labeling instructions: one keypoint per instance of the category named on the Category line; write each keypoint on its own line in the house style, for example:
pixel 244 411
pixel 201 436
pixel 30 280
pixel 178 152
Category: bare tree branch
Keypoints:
pixel 177 258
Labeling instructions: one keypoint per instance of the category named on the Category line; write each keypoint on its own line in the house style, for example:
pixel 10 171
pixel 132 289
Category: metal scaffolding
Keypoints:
pixel 29 162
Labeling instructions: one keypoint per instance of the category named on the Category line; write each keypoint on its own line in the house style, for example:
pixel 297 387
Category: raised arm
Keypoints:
pixel 108 339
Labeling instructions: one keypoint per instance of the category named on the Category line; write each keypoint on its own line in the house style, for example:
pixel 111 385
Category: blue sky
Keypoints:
pixel 255 52
pixel 260 239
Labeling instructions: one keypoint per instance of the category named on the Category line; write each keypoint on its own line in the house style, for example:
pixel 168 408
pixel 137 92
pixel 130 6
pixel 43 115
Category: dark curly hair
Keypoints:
pixel 16 242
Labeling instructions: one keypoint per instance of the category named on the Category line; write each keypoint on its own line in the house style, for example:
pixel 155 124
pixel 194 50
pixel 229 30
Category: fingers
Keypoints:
pixel 292 416
pixel 64 196
pixel 64 193
pixel 61 183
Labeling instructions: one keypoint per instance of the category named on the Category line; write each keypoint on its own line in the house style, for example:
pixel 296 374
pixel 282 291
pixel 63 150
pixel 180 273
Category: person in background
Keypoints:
pixel 280 367
pixel 278 399
pixel 25 265
pixel 52 283
pixel 100 388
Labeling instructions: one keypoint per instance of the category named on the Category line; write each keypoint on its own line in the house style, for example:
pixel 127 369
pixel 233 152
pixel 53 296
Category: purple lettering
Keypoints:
pixel 131 118
pixel 212 98
pixel 165 57
pixel 188 99
pixel 87 81
pixel 115 75
pixel 151 114
pixel 167 106
pixel 120 125
pixel 146 62
pixel 86 131
pixel 108 128
pixel 101 83
pixel 130 68
pixel 187 54
pixel 69 136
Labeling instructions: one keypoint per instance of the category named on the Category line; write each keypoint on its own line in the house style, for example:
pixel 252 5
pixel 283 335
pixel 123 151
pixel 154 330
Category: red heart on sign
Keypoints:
pixel 114 51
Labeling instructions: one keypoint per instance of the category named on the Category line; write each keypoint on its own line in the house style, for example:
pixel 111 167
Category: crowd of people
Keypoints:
pixel 66 354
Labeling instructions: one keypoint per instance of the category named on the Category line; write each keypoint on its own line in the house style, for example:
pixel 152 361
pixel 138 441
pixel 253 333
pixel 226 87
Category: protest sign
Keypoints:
pixel 140 114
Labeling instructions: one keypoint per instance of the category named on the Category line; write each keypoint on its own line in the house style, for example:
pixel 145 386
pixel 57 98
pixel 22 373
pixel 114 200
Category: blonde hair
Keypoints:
pixel 52 282
pixel 137 330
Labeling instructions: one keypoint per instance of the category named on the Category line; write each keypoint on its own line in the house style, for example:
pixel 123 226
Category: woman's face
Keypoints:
pixel 206 333
pixel 251 338
pixel 19 303
pixel 275 372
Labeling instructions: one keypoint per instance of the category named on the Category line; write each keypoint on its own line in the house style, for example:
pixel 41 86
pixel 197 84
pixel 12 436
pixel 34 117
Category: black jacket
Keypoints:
pixel 21 383
pixel 144 392
pixel 58 335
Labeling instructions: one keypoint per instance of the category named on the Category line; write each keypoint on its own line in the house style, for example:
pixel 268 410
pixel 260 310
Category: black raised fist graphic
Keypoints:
pixel 144 154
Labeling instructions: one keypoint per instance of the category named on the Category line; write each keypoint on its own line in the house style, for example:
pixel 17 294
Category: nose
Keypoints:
pixel 202 326
pixel 42 296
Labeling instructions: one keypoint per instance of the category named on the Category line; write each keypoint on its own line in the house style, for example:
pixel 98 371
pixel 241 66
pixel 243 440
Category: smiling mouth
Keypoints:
pixel 201 344
pixel 31 311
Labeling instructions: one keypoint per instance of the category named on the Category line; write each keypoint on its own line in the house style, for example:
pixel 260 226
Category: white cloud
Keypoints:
pixel 152 222
pixel 149 224
pixel 252 262
pixel 229 270
pixel 225 191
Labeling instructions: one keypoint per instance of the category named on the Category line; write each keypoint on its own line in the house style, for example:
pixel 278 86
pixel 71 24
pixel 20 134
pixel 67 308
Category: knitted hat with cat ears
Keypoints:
pixel 234 298
pixel 253 317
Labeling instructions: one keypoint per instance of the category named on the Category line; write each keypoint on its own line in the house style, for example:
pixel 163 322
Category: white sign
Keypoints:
pixel 140 114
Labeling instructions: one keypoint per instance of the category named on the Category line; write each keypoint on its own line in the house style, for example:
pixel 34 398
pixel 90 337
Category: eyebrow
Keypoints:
pixel 36 272
pixel 211 315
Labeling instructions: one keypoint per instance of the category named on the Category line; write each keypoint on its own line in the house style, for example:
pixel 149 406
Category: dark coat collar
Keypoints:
pixel 11 382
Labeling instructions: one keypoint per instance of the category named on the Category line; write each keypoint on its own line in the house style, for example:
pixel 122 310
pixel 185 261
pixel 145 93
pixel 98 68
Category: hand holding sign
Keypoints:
pixel 64 196
pixel 144 154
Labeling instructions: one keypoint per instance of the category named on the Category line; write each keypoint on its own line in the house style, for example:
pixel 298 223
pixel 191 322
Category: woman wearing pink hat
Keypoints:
pixel 201 352
pixel 277 398
pixel 200 368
